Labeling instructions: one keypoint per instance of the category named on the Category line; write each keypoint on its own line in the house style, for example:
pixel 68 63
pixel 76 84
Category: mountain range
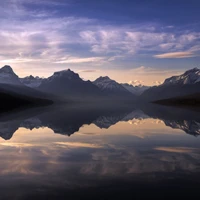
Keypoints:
pixel 68 85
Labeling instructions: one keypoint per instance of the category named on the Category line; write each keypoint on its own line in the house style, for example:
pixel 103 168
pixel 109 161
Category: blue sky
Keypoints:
pixel 138 41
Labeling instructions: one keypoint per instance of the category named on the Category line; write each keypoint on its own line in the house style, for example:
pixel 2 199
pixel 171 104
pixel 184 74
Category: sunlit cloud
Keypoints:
pixel 157 82
pixel 88 71
pixel 154 71
pixel 176 149
pixel 18 60
pixel 136 82
pixel 176 55
pixel 81 60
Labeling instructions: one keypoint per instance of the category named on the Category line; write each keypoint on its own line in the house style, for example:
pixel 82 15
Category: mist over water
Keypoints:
pixel 99 151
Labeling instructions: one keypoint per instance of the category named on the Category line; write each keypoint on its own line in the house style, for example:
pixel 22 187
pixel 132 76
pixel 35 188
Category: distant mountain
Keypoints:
pixel 67 83
pixel 185 84
pixel 11 83
pixel 7 76
pixel 111 87
pixel 31 81
pixel 136 90
pixel 14 94
pixel 191 76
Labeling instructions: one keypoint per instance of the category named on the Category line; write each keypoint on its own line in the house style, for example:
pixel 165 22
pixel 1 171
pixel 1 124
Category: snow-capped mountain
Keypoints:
pixel 110 86
pixel 7 76
pixel 191 76
pixel 68 83
pixel 31 81
pixel 186 84
pixel 136 90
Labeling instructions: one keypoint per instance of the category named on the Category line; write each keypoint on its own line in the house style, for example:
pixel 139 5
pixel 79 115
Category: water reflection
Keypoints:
pixel 68 120
pixel 112 152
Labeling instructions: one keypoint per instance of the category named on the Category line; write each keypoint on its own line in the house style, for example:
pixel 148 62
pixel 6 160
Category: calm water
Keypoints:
pixel 100 152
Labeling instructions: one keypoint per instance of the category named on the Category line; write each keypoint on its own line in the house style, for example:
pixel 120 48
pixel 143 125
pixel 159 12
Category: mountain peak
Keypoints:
pixel 31 77
pixel 65 72
pixel 64 75
pixel 194 70
pixel 110 86
pixel 8 76
pixel 104 78
pixel 7 69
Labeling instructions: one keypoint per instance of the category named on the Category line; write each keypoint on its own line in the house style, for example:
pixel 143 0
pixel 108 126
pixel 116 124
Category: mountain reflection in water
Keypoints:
pixel 68 120
pixel 112 152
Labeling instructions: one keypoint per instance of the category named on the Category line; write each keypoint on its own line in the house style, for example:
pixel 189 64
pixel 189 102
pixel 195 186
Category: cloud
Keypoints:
pixel 157 82
pixel 136 82
pixel 81 60
pixel 65 39
pixel 17 60
pixel 170 27
pixel 148 71
pixel 154 71
pixel 88 71
pixel 176 55
pixel 176 149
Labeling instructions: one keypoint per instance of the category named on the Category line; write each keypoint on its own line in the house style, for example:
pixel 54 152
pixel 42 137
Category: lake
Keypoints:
pixel 100 152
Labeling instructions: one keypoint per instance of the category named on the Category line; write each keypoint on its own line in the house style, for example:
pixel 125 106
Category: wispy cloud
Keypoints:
pixel 37 34
pixel 81 60
pixel 154 71
pixel 152 75
pixel 176 55
pixel 176 149
pixel 88 71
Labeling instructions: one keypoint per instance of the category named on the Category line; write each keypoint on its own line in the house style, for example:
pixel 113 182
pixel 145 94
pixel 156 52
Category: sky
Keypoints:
pixel 137 41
